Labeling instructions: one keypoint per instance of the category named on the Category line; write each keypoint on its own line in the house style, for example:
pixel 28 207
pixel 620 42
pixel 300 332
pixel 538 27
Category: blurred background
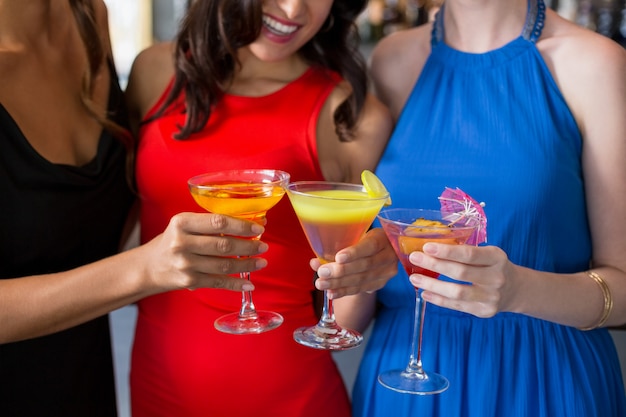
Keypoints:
pixel 137 24
pixel 134 25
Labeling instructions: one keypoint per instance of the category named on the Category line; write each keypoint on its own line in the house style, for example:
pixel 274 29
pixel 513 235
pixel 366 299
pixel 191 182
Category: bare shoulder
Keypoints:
pixel 403 41
pixel 396 63
pixel 575 54
pixel 587 67
pixel 159 55
pixel 101 12
pixel 150 74
pixel 101 17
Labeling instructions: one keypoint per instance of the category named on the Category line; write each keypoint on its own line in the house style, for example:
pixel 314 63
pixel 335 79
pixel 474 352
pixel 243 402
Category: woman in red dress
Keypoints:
pixel 247 84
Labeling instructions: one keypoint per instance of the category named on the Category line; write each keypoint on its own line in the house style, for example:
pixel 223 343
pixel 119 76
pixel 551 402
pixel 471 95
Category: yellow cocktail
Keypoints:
pixel 333 216
pixel 246 194
pixel 330 223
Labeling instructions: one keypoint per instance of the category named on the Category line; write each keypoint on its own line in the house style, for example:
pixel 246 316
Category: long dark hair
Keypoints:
pixel 206 56
pixel 85 16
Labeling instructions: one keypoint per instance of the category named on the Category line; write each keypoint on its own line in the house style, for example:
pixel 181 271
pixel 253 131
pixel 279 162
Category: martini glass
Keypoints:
pixel 333 216
pixel 408 230
pixel 246 194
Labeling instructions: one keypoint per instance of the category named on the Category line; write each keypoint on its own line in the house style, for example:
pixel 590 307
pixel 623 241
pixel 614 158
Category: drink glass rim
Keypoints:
pixel 459 225
pixel 278 177
pixel 331 185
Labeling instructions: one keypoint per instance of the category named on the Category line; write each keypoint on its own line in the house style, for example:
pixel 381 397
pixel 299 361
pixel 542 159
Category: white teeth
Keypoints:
pixel 277 27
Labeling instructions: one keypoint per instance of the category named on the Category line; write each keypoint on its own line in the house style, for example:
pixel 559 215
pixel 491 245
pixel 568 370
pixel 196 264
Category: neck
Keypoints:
pixel 254 68
pixel 483 25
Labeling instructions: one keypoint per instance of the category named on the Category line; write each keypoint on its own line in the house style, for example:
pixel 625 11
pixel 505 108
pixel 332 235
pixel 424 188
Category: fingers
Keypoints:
pixel 215 224
pixel 218 265
pixel 372 243
pixel 223 246
pixel 476 300
pixel 224 283
pixel 206 250
pixel 445 259
pixel 481 271
pixel 366 266
pixel 214 235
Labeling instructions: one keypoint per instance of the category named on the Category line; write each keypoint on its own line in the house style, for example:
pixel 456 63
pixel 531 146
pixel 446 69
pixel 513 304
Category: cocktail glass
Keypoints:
pixel 333 216
pixel 407 233
pixel 246 194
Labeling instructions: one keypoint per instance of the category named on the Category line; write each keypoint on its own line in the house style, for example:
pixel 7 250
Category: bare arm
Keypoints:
pixel 191 253
pixel 150 74
pixel 395 65
pixel 344 161
pixel 595 89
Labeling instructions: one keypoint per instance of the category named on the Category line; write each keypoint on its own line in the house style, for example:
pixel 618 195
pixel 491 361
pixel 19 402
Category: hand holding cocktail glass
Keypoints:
pixel 333 217
pixel 246 194
pixel 408 231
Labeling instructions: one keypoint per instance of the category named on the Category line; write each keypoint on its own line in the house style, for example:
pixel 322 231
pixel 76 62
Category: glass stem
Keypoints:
pixel 247 305
pixel 414 368
pixel 248 311
pixel 328 315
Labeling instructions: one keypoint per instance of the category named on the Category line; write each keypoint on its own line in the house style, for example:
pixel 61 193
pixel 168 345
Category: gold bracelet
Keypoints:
pixel 608 300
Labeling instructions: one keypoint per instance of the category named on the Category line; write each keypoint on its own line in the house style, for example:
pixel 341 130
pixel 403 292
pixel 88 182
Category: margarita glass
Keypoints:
pixel 333 216
pixel 246 194
pixel 408 230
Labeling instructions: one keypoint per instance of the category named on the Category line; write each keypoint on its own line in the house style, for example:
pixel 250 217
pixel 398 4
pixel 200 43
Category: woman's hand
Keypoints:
pixel 204 250
pixel 366 266
pixel 487 269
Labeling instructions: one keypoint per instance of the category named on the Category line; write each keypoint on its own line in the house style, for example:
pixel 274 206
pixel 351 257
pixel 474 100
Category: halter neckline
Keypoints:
pixel 535 17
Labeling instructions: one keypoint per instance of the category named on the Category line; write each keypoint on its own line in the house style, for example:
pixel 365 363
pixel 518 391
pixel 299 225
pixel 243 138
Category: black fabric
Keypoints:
pixel 54 218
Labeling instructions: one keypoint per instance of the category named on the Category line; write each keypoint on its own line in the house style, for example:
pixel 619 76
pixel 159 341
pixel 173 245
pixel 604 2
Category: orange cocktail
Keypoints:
pixel 246 194
pixel 239 199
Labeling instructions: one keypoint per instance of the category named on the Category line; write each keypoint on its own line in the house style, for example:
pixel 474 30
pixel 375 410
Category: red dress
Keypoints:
pixel 183 367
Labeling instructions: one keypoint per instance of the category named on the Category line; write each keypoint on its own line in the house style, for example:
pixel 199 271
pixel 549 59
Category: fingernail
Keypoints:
pixel 260 263
pixel 323 272
pixel 430 248
pixel 263 247
pixel 257 228
pixel 322 285
pixel 416 257
pixel 342 258
pixel 415 280
pixel 247 287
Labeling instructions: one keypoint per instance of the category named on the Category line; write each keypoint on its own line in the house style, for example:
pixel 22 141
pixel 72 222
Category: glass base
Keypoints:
pixel 331 337
pixel 413 383
pixel 261 321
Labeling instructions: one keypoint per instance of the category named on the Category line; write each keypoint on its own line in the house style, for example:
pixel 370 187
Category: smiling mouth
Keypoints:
pixel 278 28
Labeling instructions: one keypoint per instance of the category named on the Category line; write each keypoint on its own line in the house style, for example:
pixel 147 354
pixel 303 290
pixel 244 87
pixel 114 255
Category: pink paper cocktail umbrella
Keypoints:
pixel 457 206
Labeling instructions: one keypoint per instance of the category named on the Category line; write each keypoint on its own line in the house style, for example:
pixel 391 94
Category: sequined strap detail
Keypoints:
pixel 437 32
pixel 535 18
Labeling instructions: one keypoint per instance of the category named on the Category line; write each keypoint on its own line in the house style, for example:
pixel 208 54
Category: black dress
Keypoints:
pixel 54 218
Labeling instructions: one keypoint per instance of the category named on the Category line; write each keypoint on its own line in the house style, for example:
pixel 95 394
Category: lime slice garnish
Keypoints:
pixel 374 186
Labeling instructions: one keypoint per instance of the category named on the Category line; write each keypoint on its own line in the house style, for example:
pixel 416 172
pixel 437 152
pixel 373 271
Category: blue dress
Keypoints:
pixel 496 126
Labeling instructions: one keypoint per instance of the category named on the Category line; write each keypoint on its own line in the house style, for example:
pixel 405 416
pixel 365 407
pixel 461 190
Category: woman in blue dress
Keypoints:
pixel 525 111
